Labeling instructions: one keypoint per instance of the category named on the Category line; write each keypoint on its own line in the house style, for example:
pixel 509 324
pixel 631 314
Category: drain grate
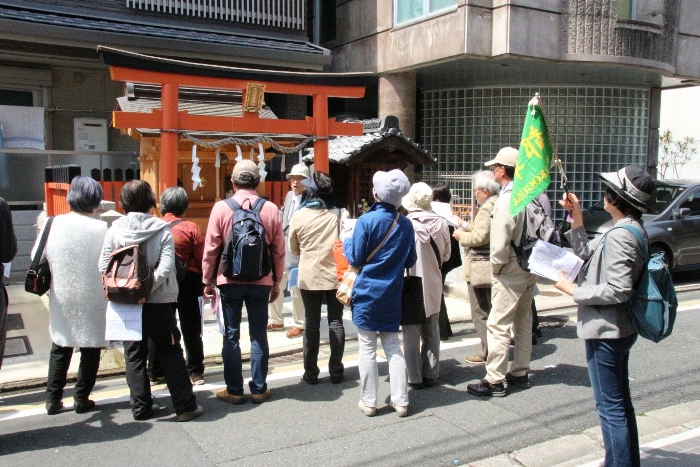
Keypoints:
pixel 17 346
pixel 14 322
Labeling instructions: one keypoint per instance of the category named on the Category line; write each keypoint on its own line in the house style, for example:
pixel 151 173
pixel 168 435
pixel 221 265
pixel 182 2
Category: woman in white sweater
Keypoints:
pixel 76 302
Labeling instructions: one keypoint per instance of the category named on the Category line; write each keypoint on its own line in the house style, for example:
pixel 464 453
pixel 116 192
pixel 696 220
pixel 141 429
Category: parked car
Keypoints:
pixel 673 222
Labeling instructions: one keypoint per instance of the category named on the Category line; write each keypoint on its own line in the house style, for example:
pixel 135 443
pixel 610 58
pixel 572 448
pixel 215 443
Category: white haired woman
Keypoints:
pixel 477 267
pixel 76 301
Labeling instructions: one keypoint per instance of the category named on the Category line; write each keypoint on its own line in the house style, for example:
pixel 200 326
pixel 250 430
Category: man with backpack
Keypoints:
pixel 244 257
pixel 511 292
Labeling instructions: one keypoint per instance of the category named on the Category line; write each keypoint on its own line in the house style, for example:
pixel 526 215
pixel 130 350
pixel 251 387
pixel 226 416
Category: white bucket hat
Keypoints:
pixel 300 170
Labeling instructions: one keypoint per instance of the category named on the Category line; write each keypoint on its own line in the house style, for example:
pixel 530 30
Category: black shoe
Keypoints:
pixel 83 406
pixel 485 389
pixel 444 338
pixel 52 408
pixel 538 332
pixel 520 382
pixel 429 382
pixel 150 413
pixel 416 386
pixel 309 379
pixel 534 338
pixel 337 379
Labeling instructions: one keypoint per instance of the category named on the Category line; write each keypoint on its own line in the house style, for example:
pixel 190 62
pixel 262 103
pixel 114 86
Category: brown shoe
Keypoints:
pixel 260 398
pixel 224 395
pixel 275 327
pixel 475 359
pixel 295 332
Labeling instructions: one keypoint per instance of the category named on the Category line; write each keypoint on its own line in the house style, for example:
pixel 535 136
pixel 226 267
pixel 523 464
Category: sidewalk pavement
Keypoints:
pixel 669 436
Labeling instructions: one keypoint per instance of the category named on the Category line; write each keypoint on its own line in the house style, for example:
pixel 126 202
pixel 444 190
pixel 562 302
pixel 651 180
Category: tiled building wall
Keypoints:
pixel 594 129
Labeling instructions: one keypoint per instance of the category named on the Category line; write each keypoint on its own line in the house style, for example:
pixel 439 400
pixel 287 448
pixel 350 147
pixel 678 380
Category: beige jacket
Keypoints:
pixel 504 229
pixel 476 238
pixel 311 236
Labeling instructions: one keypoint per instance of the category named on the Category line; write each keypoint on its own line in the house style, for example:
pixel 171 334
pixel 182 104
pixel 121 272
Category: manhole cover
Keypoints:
pixel 14 322
pixel 17 346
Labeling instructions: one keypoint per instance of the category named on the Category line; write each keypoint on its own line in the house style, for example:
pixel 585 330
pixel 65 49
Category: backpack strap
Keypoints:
pixel 233 204
pixel 637 235
pixel 386 237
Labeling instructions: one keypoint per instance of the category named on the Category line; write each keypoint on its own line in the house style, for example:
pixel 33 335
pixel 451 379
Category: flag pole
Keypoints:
pixel 557 161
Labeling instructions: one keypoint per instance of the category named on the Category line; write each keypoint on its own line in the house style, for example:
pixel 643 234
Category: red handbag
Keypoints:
pixel 341 262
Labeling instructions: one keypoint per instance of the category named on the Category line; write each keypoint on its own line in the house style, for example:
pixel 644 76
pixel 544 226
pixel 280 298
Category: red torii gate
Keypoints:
pixel 171 74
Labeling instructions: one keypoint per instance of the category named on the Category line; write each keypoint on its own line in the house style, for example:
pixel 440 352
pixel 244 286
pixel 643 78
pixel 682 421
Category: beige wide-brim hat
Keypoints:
pixel 418 198
pixel 300 170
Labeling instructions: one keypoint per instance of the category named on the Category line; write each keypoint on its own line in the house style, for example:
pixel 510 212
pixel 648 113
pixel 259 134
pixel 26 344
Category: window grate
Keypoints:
pixel 276 13
pixel 594 129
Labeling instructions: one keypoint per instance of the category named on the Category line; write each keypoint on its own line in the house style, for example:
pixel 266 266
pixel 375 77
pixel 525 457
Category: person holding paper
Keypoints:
pixel 477 267
pixel 76 300
pixel 159 325
pixel 606 281
pixel 312 231
pixel 292 203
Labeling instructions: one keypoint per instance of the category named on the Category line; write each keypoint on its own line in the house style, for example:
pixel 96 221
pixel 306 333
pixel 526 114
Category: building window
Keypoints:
pixel 594 129
pixel 626 10
pixel 410 10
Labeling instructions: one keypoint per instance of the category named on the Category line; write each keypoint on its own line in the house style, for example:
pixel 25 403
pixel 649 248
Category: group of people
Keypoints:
pixel 383 246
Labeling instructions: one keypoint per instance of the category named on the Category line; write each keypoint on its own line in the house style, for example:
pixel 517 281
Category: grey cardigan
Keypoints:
pixel 605 283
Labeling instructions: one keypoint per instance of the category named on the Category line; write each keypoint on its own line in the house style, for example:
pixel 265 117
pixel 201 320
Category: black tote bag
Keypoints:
pixel 412 306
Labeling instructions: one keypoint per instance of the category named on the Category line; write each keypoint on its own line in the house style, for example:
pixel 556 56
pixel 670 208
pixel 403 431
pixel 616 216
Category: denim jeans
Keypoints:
pixel 312 334
pixel 608 361
pixel 256 298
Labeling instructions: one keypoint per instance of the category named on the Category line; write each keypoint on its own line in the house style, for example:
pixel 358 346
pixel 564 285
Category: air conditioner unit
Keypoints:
pixel 90 134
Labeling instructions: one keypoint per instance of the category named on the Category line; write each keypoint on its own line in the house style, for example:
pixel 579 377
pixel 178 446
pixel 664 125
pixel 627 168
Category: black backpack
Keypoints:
pixel 246 254
pixel 537 226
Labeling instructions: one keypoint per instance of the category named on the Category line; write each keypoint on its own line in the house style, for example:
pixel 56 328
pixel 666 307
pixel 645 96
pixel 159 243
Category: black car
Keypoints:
pixel 673 222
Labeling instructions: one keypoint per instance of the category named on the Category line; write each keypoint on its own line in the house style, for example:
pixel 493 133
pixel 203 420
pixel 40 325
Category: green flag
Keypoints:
pixel 534 159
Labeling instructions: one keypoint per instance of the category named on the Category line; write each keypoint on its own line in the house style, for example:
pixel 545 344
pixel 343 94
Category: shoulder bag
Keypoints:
pixel 38 280
pixel 344 292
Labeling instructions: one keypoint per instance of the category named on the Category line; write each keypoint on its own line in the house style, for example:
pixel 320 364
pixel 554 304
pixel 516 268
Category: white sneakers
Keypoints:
pixel 401 410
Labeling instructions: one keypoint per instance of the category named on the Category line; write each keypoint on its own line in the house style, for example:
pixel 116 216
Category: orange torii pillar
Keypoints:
pixel 170 119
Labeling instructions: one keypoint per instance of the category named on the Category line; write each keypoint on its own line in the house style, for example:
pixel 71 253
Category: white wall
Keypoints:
pixel 679 113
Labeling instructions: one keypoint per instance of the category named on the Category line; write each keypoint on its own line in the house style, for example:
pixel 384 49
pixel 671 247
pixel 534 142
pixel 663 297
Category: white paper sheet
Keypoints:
pixel 547 259
pixel 123 322
pixel 444 210
pixel 218 311
pixel 7 267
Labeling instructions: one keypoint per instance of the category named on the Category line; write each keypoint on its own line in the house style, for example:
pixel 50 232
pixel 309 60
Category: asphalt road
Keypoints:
pixel 321 425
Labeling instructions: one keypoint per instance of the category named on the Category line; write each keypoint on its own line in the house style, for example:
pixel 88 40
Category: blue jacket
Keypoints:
pixel 376 295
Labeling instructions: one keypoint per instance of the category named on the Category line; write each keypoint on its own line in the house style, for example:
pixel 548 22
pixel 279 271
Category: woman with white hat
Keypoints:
pixel 614 263
pixel 421 342
pixel 386 237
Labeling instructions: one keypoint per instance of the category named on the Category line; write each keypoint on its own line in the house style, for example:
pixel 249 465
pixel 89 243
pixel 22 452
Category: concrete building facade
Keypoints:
pixel 461 72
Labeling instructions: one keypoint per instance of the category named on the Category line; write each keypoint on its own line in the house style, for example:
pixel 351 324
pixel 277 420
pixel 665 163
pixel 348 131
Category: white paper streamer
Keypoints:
pixel 261 156
pixel 196 180
pixel 301 153
pixel 240 154
pixel 283 166
pixel 217 162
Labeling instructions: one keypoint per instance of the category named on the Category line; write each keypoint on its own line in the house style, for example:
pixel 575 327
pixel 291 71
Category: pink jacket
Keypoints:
pixel 219 228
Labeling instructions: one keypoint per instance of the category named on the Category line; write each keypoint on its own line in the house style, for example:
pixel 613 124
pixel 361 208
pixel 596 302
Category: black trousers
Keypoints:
pixel 187 305
pixel 59 361
pixel 443 319
pixel 160 330
pixel 313 299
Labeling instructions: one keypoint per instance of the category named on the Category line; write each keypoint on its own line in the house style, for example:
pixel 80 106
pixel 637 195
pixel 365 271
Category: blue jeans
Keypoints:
pixel 256 298
pixel 608 361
